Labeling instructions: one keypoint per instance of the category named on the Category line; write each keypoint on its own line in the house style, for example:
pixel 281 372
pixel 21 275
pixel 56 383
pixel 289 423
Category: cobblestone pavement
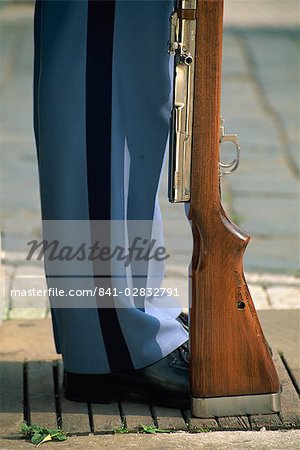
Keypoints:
pixel 260 102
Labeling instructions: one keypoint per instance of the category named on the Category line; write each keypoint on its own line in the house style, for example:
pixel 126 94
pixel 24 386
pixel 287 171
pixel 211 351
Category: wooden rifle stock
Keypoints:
pixel 229 353
pixel 231 367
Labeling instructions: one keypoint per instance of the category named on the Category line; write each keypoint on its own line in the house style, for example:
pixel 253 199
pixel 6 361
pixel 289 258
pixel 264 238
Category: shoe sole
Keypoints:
pixel 106 393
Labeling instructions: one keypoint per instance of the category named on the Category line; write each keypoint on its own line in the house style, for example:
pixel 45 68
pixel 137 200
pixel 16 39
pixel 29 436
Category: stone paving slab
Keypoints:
pixel 280 184
pixel 261 13
pixel 264 440
pixel 269 279
pixel 264 222
pixel 264 254
pixel 25 278
pixel 259 101
pixel 283 297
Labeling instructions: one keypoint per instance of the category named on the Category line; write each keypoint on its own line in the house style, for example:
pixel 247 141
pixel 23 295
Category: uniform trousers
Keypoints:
pixel 102 92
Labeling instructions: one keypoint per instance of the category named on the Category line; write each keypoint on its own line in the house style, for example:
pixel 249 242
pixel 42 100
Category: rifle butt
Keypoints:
pixel 232 371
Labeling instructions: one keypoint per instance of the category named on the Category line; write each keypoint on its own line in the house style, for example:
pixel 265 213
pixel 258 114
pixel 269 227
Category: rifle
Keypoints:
pixel 231 367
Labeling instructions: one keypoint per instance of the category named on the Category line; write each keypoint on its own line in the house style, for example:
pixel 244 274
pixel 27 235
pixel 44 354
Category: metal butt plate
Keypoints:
pixel 237 405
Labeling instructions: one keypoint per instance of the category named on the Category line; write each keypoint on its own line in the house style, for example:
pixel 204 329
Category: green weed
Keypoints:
pixel 38 435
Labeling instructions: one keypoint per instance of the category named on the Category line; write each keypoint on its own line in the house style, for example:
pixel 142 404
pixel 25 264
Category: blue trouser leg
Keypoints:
pixel 102 92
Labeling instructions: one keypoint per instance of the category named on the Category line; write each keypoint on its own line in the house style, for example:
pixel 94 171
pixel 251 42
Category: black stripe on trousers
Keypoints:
pixel 98 131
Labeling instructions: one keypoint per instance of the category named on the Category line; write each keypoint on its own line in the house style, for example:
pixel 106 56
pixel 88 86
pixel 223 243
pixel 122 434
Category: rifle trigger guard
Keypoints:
pixel 226 169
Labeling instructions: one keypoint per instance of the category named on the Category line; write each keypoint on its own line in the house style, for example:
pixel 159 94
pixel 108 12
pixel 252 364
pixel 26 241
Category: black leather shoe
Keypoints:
pixel 164 383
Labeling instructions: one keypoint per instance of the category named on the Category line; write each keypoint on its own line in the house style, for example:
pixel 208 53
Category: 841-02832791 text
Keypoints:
pixel 99 291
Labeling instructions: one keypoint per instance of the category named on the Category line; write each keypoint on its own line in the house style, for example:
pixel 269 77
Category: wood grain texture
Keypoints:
pixel 234 423
pixel 106 417
pixel 195 423
pixel 137 414
pixel 229 353
pixel 268 421
pixel 75 415
pixel 11 404
pixel 41 393
pixel 169 418
pixel 290 402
